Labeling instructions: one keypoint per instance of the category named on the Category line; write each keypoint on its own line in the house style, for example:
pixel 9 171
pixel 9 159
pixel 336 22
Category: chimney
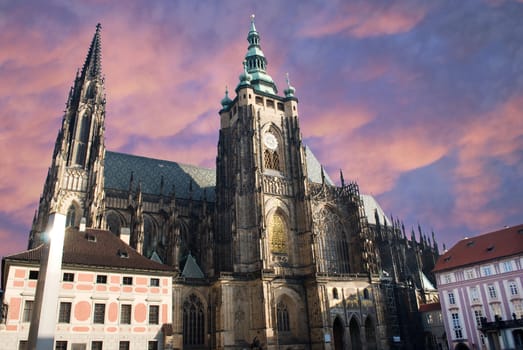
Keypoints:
pixel 82 225
pixel 125 234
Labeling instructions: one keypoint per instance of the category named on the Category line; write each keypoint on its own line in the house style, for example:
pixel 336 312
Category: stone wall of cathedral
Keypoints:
pixel 171 227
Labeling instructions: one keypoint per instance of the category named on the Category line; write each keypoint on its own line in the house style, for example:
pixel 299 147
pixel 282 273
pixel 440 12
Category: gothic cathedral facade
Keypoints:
pixel 266 251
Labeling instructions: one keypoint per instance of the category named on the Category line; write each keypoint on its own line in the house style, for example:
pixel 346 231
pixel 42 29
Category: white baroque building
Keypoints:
pixel 481 291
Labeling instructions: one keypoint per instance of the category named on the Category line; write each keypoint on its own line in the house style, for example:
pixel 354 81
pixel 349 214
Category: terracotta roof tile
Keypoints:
pixel 489 246
pixel 96 248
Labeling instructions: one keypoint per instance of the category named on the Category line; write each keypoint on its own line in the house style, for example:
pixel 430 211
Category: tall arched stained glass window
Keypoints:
pixel 331 242
pixel 278 234
pixel 193 321
pixel 150 236
pixel 282 315
pixel 113 223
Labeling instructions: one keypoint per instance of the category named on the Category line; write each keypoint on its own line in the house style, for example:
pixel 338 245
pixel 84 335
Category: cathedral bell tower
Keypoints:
pixel 74 183
pixel 263 220
pixel 263 223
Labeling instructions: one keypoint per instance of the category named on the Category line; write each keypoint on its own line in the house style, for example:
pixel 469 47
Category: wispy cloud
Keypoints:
pixel 493 141
pixel 362 19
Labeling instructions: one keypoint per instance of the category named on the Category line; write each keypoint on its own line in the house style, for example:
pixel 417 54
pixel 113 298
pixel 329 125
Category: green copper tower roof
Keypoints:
pixel 256 64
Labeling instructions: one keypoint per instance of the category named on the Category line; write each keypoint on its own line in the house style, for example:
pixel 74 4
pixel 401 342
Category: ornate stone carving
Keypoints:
pixel 276 185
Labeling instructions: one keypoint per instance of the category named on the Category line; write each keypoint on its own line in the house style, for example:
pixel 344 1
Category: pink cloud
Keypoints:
pixel 377 162
pixel 337 120
pixel 150 88
pixel 363 19
pixel 497 135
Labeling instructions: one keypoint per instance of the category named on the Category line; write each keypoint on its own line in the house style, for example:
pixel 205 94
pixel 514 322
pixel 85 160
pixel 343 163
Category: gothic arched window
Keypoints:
pixel 332 245
pixel 366 294
pixel 282 316
pixel 70 219
pixel 84 128
pixel 278 234
pixel 113 223
pixel 150 239
pixel 193 321
pixel 335 293
pixel 271 160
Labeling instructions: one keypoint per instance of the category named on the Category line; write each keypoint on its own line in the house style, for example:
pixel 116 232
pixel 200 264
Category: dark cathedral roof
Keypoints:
pixel 185 178
pixel 149 173
pixel 97 248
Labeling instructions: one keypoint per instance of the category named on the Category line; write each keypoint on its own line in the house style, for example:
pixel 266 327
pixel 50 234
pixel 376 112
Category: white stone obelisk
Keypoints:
pixel 43 320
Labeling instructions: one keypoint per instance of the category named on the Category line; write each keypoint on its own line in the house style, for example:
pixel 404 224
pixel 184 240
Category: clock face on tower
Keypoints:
pixel 270 141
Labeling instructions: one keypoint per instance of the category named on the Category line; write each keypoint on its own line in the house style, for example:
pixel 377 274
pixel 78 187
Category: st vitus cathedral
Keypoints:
pixel 266 251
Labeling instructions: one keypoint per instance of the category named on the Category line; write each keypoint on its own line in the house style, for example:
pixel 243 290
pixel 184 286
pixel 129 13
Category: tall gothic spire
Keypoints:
pixel 93 62
pixel 85 112
pixel 79 152
pixel 256 63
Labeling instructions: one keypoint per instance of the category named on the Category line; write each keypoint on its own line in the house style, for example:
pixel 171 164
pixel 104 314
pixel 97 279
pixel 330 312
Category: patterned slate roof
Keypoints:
pixel 149 172
pixel 483 248
pixel 95 248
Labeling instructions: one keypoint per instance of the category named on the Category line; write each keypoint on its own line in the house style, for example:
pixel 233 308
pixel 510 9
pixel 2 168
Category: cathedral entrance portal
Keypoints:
pixel 370 334
pixel 338 330
pixel 355 337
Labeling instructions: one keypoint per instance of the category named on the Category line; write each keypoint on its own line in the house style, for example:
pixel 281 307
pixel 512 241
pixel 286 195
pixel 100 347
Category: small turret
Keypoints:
pixel 245 78
pixel 290 90
pixel 226 101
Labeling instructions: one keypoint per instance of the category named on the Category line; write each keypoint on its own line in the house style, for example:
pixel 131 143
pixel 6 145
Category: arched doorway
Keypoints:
pixel 370 334
pixel 461 346
pixel 338 329
pixel 355 337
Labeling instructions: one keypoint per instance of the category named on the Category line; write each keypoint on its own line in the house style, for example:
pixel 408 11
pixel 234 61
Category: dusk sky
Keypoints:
pixel 419 102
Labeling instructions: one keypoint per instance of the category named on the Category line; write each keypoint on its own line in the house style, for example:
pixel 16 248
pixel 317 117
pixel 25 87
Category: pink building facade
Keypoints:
pixel 120 300
pixel 481 291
